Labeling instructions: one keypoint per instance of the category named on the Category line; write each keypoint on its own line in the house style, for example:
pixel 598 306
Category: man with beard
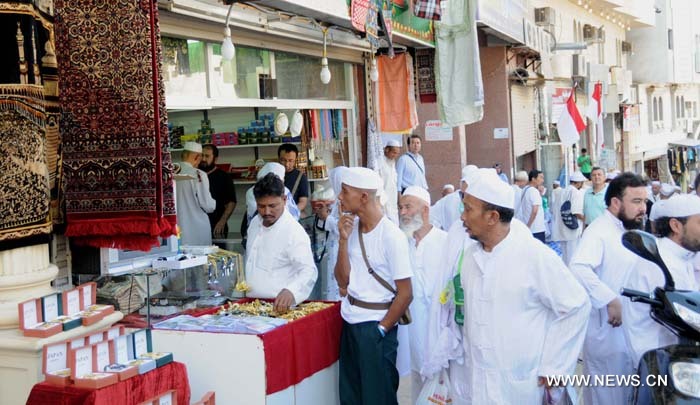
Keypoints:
pixel 222 190
pixel 446 210
pixel 602 264
pixel 568 238
pixel 520 322
pixel 194 199
pixel 426 244
pixel 678 225
pixel 279 261
pixel 387 171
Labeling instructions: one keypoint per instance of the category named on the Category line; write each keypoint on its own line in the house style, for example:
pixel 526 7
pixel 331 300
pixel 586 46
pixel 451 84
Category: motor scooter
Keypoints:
pixel 678 311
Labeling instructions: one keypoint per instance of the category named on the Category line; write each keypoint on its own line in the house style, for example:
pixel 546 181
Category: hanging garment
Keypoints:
pixel 118 170
pixel 393 88
pixel 428 9
pixel 458 66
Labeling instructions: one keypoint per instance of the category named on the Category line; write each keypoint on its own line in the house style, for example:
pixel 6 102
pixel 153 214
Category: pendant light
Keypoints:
pixel 228 51
pixel 325 72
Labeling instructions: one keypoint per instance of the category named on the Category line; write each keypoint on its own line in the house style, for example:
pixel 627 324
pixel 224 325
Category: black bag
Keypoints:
pixel 569 219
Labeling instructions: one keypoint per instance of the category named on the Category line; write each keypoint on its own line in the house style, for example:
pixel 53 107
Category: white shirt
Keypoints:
pixel 251 206
pixel 517 197
pixel 410 171
pixel 445 211
pixel 426 261
pixel 531 197
pixel 387 171
pixel 194 201
pixel 641 331
pixel 561 232
pixel 520 322
pixel 279 257
pixel 387 253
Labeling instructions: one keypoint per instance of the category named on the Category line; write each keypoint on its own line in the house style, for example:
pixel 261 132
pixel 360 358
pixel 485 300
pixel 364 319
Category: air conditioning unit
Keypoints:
pixel 545 16
pixel 626 47
pixel 578 65
pixel 590 33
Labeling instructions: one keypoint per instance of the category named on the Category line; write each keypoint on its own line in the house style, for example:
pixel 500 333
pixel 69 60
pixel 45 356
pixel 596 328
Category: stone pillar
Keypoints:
pixel 25 273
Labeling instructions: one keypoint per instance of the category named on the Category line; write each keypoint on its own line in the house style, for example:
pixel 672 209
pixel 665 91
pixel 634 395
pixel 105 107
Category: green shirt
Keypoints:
pixel 593 204
pixel 584 163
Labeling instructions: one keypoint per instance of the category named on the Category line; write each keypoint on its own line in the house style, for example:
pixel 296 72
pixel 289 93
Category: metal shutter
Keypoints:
pixel 523 119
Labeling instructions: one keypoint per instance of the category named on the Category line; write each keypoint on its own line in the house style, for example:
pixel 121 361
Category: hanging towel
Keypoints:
pixel 392 86
pixel 411 92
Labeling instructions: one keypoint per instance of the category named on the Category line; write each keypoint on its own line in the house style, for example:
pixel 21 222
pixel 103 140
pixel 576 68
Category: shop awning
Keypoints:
pixel 685 142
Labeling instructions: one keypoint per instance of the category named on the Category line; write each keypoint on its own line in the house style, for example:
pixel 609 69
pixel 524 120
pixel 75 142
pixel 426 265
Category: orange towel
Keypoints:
pixel 392 86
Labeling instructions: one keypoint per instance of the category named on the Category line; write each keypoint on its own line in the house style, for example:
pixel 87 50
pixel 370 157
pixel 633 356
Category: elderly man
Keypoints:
pixel 521 323
pixel 387 171
pixel 601 264
pixel 594 197
pixel 677 223
pixel 374 270
pixel 193 198
pixel 519 182
pixel 447 189
pixel 426 244
pixel 410 168
pixel 446 210
pixel 567 237
pixel 279 261
pixel 278 170
pixel 222 190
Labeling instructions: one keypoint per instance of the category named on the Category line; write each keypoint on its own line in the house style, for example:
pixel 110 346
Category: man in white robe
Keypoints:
pixel 426 244
pixel 678 225
pixel 446 210
pixel 522 322
pixel 279 261
pixel 568 238
pixel 193 198
pixel 387 171
pixel 601 264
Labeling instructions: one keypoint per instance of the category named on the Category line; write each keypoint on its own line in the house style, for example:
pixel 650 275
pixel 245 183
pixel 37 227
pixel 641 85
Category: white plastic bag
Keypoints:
pixel 436 391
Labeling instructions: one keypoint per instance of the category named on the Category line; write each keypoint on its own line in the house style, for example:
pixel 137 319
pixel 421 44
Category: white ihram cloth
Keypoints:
pixel 642 332
pixel 387 171
pixel 520 322
pixel 601 264
pixel 567 237
pixel 426 261
pixel 194 201
pixel 279 257
pixel 443 348
pixel 445 211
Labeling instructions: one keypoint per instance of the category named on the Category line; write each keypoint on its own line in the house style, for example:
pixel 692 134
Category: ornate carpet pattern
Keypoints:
pixel 117 168
pixel 24 177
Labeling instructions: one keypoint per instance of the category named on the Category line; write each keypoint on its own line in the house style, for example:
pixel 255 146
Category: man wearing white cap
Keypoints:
pixel 654 191
pixel 279 171
pixel 568 234
pixel 426 244
pixel 446 210
pixel 522 322
pixel 193 198
pixel 601 265
pixel 519 182
pixel 387 171
pixel 374 276
pixel 677 222
pixel 279 261
pixel 447 189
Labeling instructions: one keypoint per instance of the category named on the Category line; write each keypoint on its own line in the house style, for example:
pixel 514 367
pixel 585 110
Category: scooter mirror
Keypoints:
pixel 643 244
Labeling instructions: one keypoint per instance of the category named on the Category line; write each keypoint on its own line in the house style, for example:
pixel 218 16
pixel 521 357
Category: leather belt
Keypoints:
pixel 368 305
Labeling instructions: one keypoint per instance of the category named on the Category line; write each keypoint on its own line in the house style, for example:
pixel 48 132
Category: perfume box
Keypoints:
pixel 51 307
pixel 82 370
pixel 88 294
pixel 55 364
pixel 71 302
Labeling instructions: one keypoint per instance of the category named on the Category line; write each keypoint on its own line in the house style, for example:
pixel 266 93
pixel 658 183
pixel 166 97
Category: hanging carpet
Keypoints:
pixel 117 168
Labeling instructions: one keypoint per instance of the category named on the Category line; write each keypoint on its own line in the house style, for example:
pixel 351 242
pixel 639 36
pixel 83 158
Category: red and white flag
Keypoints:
pixel 595 113
pixel 570 123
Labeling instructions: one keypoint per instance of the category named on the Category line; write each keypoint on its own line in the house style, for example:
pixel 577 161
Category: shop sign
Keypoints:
pixel 500 133
pixel 436 131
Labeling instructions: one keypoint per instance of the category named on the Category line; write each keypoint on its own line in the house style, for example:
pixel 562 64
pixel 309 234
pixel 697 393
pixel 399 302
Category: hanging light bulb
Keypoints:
pixel 373 71
pixel 227 49
pixel 580 2
pixel 602 13
pixel 585 6
pixel 325 72
pixel 590 10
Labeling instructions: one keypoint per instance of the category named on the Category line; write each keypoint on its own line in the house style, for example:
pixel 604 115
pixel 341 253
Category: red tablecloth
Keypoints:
pixel 300 348
pixel 133 391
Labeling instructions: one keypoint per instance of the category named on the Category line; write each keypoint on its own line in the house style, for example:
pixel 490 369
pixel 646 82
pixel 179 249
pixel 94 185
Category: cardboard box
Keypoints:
pixel 119 355
pixel 55 364
pixel 71 302
pixel 174 263
pixel 96 380
pixel 51 307
pixel 80 362
pixel 144 365
pixel 77 343
pixel 29 314
pixel 88 294
pixel 113 332
pixel 69 322
pixel 44 330
pixel 100 356
pixel 161 358
pixel 95 338
pixel 123 371
pixel 88 318
pixel 141 342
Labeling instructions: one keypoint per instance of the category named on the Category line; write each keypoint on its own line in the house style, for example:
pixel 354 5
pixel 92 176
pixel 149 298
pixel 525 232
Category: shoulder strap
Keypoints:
pixel 522 197
pixel 296 184
pixel 369 268
pixel 416 162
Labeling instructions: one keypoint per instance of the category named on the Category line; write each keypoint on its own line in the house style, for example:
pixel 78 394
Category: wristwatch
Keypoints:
pixel 382 330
